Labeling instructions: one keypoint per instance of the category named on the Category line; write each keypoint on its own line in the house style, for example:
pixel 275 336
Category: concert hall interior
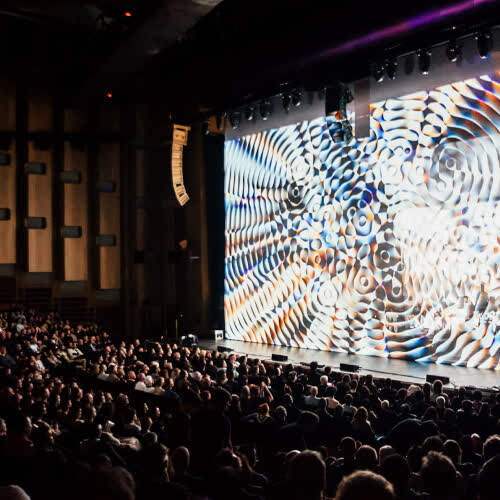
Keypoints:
pixel 249 249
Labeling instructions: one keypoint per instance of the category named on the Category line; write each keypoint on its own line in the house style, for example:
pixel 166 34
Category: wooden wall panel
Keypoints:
pixel 40 244
pixel 108 167
pixel 140 212
pixel 8 174
pixel 76 202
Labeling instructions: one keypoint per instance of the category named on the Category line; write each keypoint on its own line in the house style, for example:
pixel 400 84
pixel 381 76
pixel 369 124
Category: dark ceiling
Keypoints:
pixel 205 55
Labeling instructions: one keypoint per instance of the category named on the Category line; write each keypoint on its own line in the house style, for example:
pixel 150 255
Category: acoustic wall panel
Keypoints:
pixel 108 167
pixel 40 187
pixel 75 199
pixel 8 174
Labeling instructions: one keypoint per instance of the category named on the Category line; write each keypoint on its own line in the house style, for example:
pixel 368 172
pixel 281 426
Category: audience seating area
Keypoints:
pixel 87 415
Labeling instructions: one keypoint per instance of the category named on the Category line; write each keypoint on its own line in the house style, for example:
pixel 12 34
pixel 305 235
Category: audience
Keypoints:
pixel 85 415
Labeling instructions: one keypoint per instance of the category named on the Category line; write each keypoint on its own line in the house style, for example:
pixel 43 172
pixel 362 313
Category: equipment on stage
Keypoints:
pixel 221 348
pixel 344 367
pixel 189 340
pixel 433 378
pixel 279 357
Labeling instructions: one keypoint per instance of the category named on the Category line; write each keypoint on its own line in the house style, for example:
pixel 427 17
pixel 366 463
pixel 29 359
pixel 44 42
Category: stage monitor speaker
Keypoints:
pixel 344 367
pixel 221 348
pixel 432 378
pixel 279 357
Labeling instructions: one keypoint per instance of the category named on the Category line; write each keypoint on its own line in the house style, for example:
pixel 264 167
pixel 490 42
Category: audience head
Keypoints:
pixel 439 476
pixel 365 484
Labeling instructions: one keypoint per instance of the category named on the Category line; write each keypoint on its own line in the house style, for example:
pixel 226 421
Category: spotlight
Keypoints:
pixel 378 72
pixel 219 120
pixel 286 102
pixel 484 44
pixel 424 61
pixel 234 119
pixel 392 68
pixel 296 98
pixel 265 109
pixel 127 14
pixel 453 51
pixel 109 95
pixel 205 127
pixel 249 113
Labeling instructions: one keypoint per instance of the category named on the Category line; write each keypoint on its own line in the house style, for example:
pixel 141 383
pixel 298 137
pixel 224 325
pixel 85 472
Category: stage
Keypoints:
pixel 406 371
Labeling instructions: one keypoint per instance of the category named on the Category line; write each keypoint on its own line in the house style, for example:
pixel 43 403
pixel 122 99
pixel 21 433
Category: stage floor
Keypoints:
pixel 407 371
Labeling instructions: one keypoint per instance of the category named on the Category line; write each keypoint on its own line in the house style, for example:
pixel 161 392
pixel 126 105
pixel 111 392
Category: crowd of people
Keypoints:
pixel 86 415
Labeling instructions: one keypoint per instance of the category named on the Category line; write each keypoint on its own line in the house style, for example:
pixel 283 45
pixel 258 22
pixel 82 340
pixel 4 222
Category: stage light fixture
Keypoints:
pixel 127 14
pixel 109 95
pixel 453 51
pixel 424 61
pixel 392 68
pixel 219 120
pixel 484 43
pixel 234 119
pixel 296 98
pixel 286 102
pixel 378 72
pixel 265 109
pixel 249 113
pixel 205 127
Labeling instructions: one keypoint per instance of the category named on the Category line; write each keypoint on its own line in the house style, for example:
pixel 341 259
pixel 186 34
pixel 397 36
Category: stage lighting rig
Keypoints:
pixel 392 68
pixel 453 51
pixel 265 109
pixel 484 44
pixel 296 98
pixel 286 102
pixel 378 72
pixel 205 127
pixel 219 120
pixel 249 113
pixel 234 119
pixel 424 61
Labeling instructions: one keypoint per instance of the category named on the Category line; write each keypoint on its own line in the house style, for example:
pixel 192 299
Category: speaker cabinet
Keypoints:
pixel 344 367
pixel 35 168
pixel 106 240
pixel 279 357
pixel 35 223
pixel 71 231
pixel 432 378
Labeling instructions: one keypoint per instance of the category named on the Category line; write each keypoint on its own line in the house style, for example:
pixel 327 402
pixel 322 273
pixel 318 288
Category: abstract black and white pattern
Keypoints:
pixel 388 246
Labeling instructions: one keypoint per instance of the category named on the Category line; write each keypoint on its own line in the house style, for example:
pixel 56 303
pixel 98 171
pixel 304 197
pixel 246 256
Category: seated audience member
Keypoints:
pixel 439 476
pixel 365 484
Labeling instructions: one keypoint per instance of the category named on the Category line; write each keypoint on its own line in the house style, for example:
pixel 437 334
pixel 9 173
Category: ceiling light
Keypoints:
pixel 484 44
pixel 234 119
pixel 424 61
pixel 378 72
pixel 392 68
pixel 249 113
pixel 296 98
pixel 286 102
pixel 453 51
pixel 265 109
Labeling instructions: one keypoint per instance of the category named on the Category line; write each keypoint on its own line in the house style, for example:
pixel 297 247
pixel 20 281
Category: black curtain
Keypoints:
pixel 214 178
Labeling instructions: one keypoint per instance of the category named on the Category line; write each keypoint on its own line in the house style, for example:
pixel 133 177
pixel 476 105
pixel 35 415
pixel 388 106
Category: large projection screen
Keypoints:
pixel 388 246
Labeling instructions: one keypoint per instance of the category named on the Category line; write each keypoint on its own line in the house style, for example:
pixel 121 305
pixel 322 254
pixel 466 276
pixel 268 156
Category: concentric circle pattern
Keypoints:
pixel 388 246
